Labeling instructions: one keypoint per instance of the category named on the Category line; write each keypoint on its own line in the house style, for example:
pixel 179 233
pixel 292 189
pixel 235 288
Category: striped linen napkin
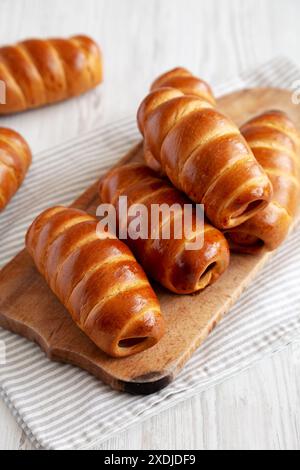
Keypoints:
pixel 62 407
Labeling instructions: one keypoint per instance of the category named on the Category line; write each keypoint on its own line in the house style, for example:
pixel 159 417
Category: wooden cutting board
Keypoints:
pixel 29 308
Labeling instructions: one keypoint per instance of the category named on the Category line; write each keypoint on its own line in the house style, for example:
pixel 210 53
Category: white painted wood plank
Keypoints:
pixel 258 409
pixel 141 38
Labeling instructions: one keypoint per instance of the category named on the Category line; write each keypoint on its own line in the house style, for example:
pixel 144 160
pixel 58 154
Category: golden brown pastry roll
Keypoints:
pixel 169 261
pixel 274 141
pixel 97 279
pixel 38 72
pixel 15 159
pixel 202 152
pixel 181 79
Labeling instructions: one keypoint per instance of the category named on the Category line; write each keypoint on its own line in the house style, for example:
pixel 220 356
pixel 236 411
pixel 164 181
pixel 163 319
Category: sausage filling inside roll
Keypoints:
pixel 97 279
pixel 180 269
pixel 200 150
pixel 274 141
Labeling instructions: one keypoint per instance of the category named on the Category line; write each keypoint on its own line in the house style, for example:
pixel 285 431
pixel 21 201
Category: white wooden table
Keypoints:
pixel 260 408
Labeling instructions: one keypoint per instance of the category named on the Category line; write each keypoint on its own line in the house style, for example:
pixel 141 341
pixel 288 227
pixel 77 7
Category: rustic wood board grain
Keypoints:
pixel 29 308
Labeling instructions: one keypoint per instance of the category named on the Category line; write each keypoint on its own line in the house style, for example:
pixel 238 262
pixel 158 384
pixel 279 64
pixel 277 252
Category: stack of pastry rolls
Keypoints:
pixel 202 151
pixel 246 180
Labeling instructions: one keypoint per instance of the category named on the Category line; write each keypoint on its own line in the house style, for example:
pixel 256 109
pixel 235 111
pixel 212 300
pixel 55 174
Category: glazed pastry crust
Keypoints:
pixel 97 279
pixel 201 151
pixel 15 160
pixel 168 261
pixel 38 72
pixel 274 141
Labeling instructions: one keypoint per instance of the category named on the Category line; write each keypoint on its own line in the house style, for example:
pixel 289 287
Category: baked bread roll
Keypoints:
pixel 38 72
pixel 202 152
pixel 182 79
pixel 168 261
pixel 274 141
pixel 15 159
pixel 98 281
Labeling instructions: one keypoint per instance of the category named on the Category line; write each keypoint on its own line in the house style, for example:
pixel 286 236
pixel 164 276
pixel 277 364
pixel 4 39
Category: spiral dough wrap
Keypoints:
pixel 201 151
pixel 15 159
pixel 168 261
pixel 38 72
pixel 274 141
pixel 97 279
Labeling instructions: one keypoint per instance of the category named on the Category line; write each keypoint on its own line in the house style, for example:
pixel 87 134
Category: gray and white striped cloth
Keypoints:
pixel 63 407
